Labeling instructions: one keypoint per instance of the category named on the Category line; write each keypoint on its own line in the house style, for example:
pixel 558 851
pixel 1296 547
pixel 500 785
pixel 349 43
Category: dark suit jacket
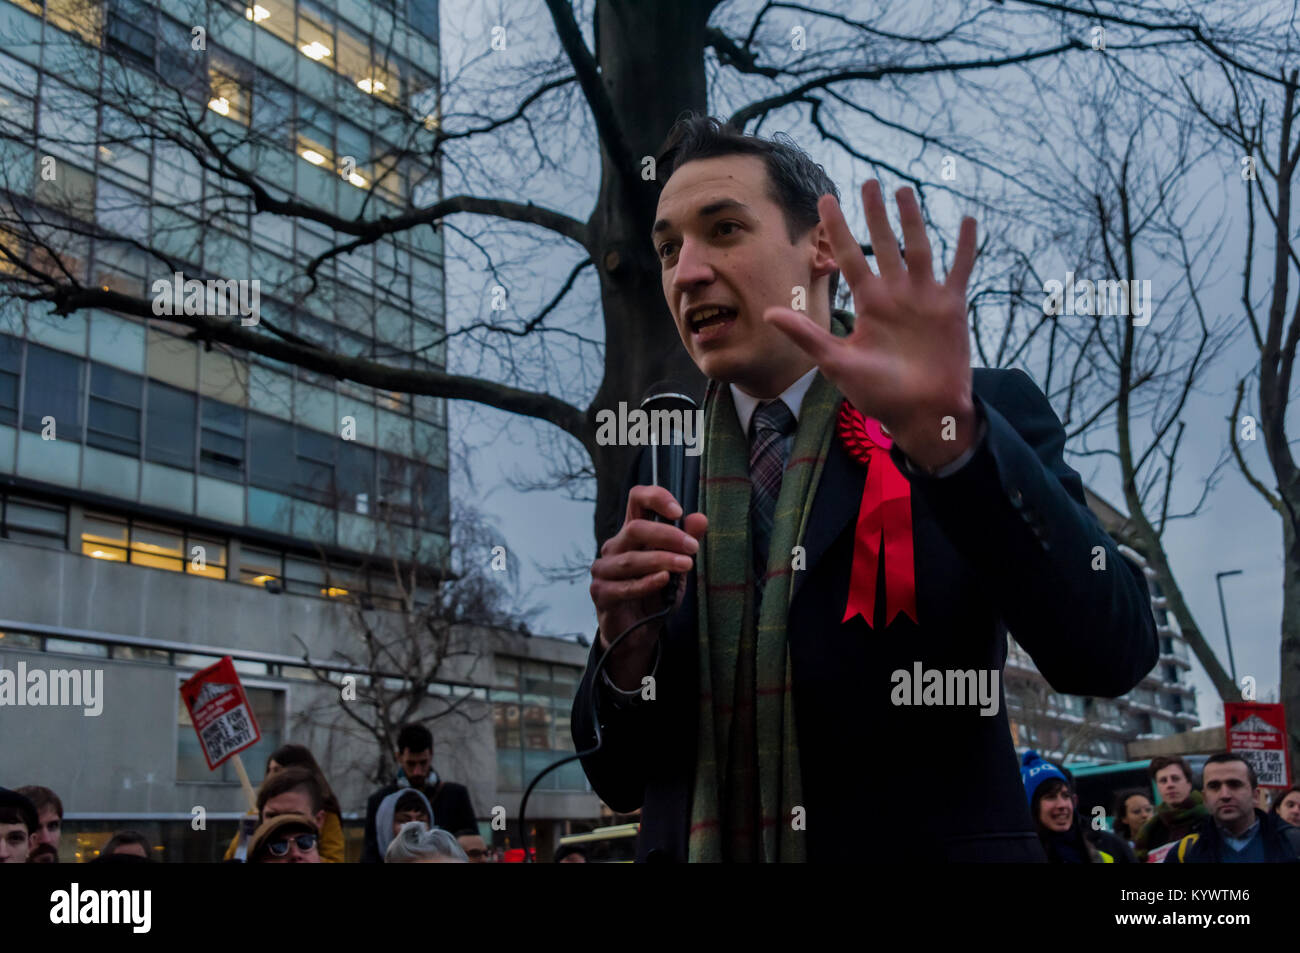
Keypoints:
pixel 452 811
pixel 1006 542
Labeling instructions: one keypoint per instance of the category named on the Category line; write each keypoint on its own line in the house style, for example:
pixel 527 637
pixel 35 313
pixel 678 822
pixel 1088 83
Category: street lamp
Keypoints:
pixel 1218 581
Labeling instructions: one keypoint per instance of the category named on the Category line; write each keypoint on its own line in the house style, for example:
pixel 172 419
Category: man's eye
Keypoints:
pixel 665 250
pixel 730 226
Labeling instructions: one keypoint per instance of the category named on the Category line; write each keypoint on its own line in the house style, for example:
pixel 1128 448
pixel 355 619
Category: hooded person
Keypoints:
pixel 285 839
pixel 1051 805
pixel 400 807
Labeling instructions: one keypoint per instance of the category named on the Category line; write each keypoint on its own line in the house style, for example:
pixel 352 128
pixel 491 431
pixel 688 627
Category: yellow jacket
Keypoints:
pixel 330 845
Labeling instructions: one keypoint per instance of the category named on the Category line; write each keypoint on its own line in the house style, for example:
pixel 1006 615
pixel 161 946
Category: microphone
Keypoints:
pixel 667 404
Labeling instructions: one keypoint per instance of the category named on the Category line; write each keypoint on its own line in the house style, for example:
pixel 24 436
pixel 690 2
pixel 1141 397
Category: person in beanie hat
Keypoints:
pixel 18 820
pixel 1051 805
pixel 285 839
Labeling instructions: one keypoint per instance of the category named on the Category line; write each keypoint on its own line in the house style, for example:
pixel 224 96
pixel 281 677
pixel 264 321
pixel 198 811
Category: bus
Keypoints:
pixel 607 845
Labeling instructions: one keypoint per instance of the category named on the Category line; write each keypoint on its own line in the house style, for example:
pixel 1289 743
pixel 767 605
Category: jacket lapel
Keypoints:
pixel 835 507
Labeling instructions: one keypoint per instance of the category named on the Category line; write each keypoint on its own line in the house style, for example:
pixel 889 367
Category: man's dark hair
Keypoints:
pixel 42 797
pixel 124 838
pixel 414 738
pixel 1162 762
pixel 796 182
pixel 289 779
pixel 1226 757
pixel 13 815
pixel 468 832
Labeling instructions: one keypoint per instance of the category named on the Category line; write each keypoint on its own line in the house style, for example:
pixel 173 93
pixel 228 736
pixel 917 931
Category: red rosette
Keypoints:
pixel 884 526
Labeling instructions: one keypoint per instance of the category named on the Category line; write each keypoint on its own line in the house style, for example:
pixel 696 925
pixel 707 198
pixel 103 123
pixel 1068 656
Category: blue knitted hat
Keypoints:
pixel 1034 771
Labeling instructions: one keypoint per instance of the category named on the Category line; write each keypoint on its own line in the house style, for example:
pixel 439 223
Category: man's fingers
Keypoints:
pixel 651 499
pixel 919 264
pixel 883 244
pixel 696 524
pixel 812 338
pixel 848 253
pixel 648 534
pixel 606 594
pixel 964 260
pixel 638 563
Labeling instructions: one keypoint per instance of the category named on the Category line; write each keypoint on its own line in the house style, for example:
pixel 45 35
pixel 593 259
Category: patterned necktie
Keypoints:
pixel 769 446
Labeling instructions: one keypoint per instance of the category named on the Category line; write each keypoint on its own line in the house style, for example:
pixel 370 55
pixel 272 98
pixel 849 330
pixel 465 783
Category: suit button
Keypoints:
pixel 1017 499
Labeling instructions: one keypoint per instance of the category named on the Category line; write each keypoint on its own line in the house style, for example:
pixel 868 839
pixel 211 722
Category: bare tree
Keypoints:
pixel 1256 124
pixel 414 634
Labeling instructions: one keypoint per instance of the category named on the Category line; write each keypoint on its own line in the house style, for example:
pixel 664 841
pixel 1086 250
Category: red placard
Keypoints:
pixel 1257 732
pixel 219 709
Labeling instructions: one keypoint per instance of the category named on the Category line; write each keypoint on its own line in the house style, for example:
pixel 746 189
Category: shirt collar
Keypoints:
pixel 792 395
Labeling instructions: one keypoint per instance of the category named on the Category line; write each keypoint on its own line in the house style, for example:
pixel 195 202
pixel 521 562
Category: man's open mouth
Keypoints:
pixel 707 322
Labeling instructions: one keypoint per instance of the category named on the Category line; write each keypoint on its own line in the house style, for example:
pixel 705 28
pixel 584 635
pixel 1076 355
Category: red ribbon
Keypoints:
pixel 884 524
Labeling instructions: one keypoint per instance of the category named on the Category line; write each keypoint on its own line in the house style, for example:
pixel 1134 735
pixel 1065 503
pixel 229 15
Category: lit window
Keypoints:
pixel 257 567
pixel 205 557
pixel 103 537
pixel 156 547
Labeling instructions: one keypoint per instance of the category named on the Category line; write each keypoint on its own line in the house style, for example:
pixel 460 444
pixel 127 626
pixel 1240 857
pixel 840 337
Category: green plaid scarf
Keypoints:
pixel 747 779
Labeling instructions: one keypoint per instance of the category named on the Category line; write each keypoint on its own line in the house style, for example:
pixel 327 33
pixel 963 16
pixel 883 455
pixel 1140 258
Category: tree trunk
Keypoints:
pixel 1289 653
pixel 651 57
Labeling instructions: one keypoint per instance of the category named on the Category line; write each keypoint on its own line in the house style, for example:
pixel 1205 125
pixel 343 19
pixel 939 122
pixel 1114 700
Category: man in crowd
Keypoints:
pixel 451 805
pixel 125 847
pixel 474 846
pixel 285 839
pixel 17 824
pixel 1181 806
pixel 1236 831
pixel 291 790
pixel 49 824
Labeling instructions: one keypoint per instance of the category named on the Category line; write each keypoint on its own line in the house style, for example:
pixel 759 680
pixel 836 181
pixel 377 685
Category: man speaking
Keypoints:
pixel 874 516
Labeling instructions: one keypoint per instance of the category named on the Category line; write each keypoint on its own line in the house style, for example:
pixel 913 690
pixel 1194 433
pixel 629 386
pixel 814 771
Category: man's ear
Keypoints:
pixel 823 261
pixel 319 818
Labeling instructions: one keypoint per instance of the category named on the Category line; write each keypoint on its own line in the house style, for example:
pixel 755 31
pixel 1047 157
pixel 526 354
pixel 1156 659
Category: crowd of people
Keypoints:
pixel 418 819
pixel 1225 822
pixel 421 818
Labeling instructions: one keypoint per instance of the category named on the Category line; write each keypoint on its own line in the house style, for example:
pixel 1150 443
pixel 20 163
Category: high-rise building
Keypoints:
pixel 167 500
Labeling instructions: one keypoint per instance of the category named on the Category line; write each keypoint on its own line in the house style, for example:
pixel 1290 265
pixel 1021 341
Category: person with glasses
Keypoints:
pixel 474 846
pixel 285 839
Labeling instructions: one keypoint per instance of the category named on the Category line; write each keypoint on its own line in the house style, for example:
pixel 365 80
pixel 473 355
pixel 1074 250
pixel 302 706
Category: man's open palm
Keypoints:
pixel 907 362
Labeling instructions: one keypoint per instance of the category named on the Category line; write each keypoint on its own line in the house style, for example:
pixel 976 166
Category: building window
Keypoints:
pixel 258 567
pixel 268 709
pixel 113 421
pixel 221 450
pixel 157 547
pixel 104 537
pixel 11 361
pixel 169 437
pixel 356 477
pixel 205 557
pixel 32 521
pixel 271 457
pixel 314 478
pixel 52 389
pixel 129 31
pixel 531 709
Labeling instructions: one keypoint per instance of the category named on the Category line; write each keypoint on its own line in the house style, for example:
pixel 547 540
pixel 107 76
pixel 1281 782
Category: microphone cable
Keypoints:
pixel 595 718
